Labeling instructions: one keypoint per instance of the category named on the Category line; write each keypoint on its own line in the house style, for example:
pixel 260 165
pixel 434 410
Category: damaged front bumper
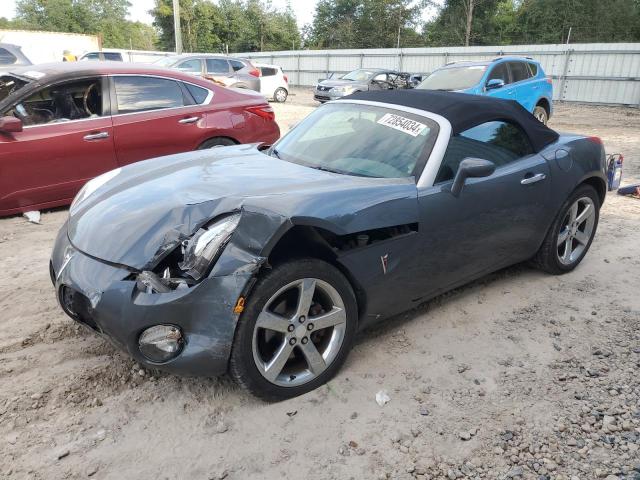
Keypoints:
pixel 106 298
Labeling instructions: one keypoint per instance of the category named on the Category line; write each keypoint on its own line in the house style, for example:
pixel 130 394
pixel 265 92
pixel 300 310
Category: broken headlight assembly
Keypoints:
pixel 192 260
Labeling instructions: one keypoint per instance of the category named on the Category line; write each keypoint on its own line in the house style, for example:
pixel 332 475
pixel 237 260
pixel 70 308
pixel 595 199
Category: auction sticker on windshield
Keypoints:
pixel 403 124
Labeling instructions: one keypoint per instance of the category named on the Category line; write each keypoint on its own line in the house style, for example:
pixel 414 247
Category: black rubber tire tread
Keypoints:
pixel 216 142
pixel 546 259
pixel 242 367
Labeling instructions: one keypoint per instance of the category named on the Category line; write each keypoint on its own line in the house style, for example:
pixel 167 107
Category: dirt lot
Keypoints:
pixel 519 375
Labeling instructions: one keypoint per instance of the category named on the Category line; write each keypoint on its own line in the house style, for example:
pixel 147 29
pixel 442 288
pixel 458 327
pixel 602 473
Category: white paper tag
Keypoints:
pixel 402 124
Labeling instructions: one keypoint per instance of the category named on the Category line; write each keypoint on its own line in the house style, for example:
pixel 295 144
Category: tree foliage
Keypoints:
pixel 365 24
pixel 504 22
pixel 106 18
pixel 236 25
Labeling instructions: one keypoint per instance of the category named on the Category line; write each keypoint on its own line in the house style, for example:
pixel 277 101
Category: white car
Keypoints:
pixel 273 83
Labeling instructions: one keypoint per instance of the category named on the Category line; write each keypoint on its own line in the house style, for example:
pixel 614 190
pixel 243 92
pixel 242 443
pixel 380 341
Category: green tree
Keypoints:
pixel 233 25
pixel 365 24
pixel 106 18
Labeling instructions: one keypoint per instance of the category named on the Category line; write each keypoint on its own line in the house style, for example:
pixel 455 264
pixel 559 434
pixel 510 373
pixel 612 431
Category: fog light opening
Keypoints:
pixel 161 343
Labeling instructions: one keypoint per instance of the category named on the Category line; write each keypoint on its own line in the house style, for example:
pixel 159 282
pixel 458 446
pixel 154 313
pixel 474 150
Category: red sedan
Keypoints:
pixel 65 123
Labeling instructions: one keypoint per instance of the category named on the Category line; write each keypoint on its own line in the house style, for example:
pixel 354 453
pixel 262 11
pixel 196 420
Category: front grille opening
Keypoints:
pixel 78 307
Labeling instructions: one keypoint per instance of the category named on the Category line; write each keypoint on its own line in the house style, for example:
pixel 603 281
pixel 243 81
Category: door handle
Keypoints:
pixel 189 120
pixel 96 136
pixel 533 179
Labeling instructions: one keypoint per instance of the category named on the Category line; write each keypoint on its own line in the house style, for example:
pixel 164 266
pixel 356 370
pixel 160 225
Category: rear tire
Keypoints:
pixel 280 95
pixel 216 142
pixel 541 114
pixel 570 236
pixel 284 346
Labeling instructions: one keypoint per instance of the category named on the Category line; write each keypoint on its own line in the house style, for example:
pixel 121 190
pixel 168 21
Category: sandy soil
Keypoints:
pixel 519 375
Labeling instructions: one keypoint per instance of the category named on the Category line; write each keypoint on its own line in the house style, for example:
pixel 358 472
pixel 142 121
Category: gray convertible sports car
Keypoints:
pixel 264 261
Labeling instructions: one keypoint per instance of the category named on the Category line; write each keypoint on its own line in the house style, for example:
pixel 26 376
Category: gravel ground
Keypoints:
pixel 518 375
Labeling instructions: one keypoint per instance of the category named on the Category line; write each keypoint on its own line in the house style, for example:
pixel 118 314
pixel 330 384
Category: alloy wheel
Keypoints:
pixel 576 230
pixel 299 332
pixel 281 95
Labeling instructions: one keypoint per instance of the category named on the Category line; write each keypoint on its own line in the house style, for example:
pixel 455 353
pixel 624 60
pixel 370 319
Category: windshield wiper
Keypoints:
pixel 274 153
pixel 341 172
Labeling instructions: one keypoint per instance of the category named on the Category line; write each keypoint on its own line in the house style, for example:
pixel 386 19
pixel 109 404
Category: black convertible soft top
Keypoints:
pixel 465 111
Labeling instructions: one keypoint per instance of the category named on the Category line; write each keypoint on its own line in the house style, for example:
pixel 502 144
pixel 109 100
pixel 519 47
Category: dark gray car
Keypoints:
pixel 361 80
pixel 265 262
pixel 228 71
pixel 11 56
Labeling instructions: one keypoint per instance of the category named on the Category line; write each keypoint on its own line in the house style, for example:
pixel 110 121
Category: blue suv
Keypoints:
pixel 513 78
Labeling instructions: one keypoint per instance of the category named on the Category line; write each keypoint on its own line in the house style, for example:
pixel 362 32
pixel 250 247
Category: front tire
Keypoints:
pixel 296 330
pixel 570 236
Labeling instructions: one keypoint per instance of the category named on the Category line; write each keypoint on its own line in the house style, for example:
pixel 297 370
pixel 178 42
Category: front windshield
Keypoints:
pixel 359 140
pixel 358 75
pixel 454 78
pixel 9 85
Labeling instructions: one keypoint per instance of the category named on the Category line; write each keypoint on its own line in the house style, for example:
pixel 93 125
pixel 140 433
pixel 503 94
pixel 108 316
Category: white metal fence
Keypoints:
pixel 602 73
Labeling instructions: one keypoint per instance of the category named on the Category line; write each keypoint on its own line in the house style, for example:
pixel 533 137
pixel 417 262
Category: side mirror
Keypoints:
pixel 495 83
pixel 471 168
pixel 10 124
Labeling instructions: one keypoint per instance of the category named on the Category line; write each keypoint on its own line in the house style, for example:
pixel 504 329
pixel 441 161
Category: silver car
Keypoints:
pixel 11 56
pixel 230 72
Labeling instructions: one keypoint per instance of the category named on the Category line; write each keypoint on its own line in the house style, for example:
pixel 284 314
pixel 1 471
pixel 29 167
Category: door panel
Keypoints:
pixel 48 163
pixel 496 221
pixel 152 119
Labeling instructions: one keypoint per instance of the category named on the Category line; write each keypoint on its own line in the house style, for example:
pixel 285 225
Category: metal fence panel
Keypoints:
pixel 603 73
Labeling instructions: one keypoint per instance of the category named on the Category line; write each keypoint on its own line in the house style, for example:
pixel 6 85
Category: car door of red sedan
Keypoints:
pixel 153 116
pixel 66 140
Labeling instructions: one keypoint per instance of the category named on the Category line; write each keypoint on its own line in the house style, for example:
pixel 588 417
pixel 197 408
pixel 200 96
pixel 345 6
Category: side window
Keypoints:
pixel 61 103
pixel 519 71
pixel 113 56
pixel 191 66
pixel 236 65
pixel 6 57
pixel 533 68
pixel 381 77
pixel 217 65
pixel 139 94
pixel 91 56
pixel 498 142
pixel 199 94
pixel 268 72
pixel 499 72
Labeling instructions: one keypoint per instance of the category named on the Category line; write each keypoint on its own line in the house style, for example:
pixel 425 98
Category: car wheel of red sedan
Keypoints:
pixel 216 142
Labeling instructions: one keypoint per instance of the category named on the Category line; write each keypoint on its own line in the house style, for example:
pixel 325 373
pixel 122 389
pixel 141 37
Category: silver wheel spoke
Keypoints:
pixel 277 363
pixel 271 321
pixel 582 237
pixel 566 257
pixel 314 359
pixel 586 213
pixel 307 288
pixel 330 319
pixel 573 213
pixel 562 237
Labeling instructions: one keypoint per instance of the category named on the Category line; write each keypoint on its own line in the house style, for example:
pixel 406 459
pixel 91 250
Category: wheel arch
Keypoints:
pixel 309 241
pixel 215 137
pixel 546 104
pixel 598 184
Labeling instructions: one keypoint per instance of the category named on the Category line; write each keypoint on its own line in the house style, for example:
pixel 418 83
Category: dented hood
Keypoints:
pixel 152 205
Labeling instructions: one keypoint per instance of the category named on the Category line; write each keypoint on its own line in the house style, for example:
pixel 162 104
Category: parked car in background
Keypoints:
pixel 274 84
pixel 102 56
pixel 361 80
pixel 228 71
pixel 512 78
pixel 11 56
pixel 264 263
pixel 62 124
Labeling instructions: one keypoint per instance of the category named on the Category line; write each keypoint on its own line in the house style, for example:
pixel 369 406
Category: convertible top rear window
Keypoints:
pixel 360 140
